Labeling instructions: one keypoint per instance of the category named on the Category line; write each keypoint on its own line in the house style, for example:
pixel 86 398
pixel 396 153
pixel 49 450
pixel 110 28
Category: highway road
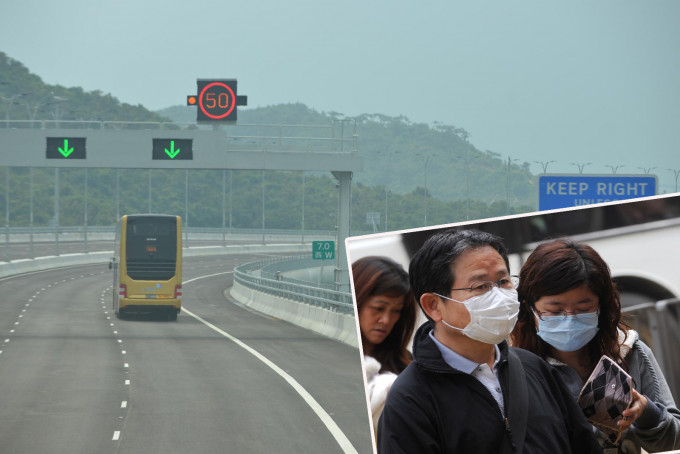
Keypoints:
pixel 221 379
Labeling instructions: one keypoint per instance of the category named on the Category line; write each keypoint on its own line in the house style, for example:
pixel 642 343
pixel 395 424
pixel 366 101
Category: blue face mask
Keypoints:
pixel 569 333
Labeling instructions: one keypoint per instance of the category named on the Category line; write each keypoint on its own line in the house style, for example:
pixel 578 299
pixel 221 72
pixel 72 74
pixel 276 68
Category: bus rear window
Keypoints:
pixel 151 240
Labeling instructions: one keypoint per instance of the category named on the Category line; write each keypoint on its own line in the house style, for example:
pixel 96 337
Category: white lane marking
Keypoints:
pixel 123 352
pixel 332 427
pixel 116 435
pixel 126 365
pixel 123 404
pixel 127 382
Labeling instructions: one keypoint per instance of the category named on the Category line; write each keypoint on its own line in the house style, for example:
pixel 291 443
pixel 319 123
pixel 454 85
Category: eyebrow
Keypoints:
pixel 381 301
pixel 588 300
pixel 485 277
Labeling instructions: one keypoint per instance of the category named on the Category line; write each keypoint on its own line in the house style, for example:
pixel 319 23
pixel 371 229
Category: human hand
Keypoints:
pixel 631 414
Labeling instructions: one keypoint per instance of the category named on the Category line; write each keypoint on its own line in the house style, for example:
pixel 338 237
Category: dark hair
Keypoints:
pixel 431 268
pixel 383 276
pixel 556 267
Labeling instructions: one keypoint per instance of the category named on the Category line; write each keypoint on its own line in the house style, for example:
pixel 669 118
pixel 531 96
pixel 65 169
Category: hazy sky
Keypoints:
pixel 575 82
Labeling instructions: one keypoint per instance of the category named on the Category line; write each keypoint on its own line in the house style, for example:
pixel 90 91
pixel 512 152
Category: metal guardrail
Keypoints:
pixel 308 294
pixel 188 229
pixel 659 327
pixel 331 137
pixel 279 265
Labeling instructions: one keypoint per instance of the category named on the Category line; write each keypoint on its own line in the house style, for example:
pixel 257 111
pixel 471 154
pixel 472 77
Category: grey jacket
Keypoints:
pixel 658 429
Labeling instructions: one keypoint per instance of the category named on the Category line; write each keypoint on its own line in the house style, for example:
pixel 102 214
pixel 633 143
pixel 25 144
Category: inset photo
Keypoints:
pixel 498 334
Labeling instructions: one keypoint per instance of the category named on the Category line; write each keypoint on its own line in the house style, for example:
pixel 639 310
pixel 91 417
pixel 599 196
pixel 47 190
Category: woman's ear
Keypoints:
pixel 430 304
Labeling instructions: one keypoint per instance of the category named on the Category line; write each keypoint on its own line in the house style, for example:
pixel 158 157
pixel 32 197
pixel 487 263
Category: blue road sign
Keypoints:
pixel 570 190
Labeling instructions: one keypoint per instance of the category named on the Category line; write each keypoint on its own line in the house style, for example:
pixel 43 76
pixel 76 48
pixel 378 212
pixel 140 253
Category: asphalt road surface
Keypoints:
pixel 221 379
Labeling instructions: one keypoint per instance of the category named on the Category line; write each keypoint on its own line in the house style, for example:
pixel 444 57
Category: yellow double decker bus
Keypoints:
pixel 147 265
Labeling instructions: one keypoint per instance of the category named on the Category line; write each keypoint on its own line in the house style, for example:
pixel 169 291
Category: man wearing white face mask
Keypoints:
pixel 466 390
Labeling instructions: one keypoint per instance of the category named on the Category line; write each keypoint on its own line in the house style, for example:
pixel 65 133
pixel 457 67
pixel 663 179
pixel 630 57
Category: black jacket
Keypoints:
pixel 433 408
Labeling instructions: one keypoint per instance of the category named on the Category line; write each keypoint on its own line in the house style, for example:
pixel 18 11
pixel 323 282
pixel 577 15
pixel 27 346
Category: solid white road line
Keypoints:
pixel 332 427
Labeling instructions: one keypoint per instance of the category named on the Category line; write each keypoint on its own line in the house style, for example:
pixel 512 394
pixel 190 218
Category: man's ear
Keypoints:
pixel 430 304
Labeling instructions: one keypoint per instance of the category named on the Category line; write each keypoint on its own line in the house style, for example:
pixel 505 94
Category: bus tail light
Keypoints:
pixel 178 292
pixel 122 291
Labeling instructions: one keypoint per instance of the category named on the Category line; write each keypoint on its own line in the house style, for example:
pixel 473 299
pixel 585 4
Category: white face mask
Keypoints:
pixel 492 315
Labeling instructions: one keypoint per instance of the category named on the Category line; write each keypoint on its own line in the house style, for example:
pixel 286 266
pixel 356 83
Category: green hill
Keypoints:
pixel 413 173
pixel 398 154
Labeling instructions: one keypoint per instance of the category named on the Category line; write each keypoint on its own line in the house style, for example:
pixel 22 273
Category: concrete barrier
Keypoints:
pixel 334 325
pixel 22 266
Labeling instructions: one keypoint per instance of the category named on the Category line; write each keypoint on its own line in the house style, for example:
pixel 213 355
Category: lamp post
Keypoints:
pixel 186 207
pixel 544 164
pixel 56 112
pixel 34 108
pixel 507 189
pixel 7 213
pixel 389 157
pixel 224 196
pixel 85 217
pixel 9 102
pixel 580 166
pixel 646 170
pixel 302 223
pixel 263 218
pixel 677 173
pixel 615 168
pixel 117 195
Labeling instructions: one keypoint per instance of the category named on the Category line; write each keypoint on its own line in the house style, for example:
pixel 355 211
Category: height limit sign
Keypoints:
pixel 323 250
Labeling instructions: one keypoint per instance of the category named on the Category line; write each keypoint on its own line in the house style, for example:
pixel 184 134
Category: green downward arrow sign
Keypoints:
pixel 66 151
pixel 172 152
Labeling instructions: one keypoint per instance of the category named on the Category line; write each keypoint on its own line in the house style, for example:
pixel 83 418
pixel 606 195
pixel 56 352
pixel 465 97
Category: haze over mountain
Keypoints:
pixel 575 83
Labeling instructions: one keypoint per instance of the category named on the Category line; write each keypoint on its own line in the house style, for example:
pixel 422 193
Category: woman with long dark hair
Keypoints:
pixel 570 315
pixel 387 316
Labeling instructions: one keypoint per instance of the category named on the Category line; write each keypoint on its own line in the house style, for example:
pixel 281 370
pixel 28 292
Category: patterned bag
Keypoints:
pixel 607 392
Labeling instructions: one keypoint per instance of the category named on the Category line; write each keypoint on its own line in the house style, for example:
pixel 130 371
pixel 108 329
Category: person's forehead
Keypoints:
pixel 478 264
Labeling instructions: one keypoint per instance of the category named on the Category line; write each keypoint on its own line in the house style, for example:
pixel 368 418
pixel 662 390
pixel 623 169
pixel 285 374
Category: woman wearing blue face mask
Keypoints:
pixel 570 315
